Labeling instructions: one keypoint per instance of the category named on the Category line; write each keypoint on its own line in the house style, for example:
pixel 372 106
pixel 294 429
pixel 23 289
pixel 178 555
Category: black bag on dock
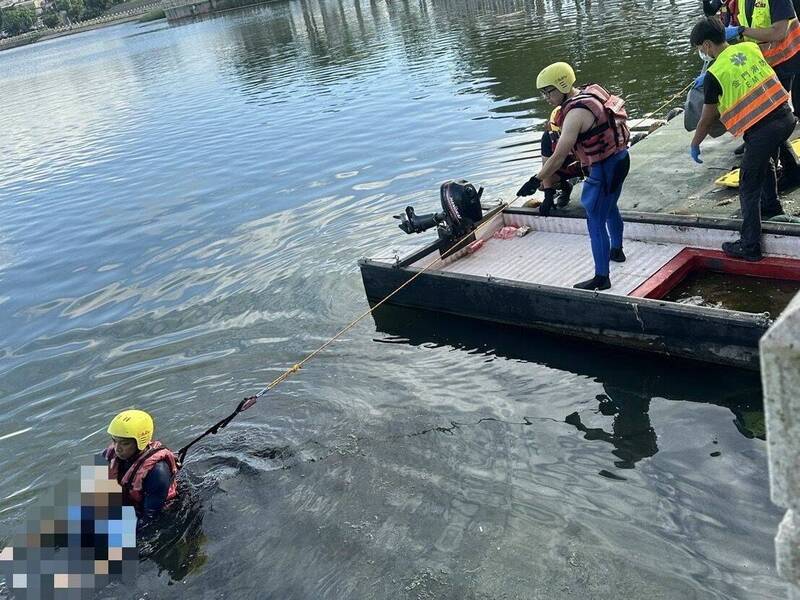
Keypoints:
pixel 694 108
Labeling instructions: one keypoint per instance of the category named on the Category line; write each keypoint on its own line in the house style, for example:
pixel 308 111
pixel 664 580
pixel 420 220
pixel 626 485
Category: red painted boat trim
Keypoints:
pixel 692 259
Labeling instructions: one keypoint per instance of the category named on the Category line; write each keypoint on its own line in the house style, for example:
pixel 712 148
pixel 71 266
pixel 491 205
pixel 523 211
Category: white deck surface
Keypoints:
pixel 562 259
pixel 556 251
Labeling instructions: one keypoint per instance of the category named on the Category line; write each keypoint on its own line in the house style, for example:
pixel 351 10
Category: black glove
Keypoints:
pixel 711 7
pixel 547 205
pixel 529 187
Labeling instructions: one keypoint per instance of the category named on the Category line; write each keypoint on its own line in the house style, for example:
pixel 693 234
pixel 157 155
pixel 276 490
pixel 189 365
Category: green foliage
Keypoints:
pixel 51 20
pixel 73 8
pixel 95 8
pixel 18 20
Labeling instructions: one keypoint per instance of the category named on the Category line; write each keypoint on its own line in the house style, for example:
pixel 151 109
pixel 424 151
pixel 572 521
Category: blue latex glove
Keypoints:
pixel 731 33
pixel 699 80
pixel 694 152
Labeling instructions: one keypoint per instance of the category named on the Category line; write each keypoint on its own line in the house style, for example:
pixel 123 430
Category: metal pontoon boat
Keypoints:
pixel 527 281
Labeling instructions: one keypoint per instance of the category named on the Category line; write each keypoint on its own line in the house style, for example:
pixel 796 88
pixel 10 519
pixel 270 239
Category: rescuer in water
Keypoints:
pixel 145 469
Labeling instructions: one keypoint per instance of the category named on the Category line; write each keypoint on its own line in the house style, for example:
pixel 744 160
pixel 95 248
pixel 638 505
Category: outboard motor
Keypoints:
pixel 461 210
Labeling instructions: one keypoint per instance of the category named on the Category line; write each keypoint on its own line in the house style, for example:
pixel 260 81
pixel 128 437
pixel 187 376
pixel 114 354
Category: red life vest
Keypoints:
pixel 134 477
pixel 610 132
pixel 732 8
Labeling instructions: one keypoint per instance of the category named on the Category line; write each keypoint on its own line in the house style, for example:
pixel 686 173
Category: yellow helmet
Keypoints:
pixel 559 75
pixel 135 424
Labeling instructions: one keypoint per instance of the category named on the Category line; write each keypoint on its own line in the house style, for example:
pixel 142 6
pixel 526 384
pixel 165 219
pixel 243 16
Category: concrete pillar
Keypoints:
pixel 780 376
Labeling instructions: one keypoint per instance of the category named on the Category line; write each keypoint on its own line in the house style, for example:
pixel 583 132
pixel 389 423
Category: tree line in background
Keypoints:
pixel 21 19
pixel 17 20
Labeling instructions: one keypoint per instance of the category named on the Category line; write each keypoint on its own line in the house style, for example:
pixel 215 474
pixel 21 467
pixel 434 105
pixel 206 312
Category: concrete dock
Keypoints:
pixel 780 374
pixel 664 178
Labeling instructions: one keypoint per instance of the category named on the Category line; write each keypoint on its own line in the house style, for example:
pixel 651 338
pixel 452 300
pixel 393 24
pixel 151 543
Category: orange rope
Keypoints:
pixel 667 103
pixel 291 370
pixel 296 367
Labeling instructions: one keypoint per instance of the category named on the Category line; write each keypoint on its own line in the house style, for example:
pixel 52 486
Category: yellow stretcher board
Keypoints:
pixel 731 178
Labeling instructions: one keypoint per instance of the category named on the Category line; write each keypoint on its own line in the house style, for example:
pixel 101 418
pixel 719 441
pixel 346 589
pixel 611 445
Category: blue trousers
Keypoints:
pixel 599 197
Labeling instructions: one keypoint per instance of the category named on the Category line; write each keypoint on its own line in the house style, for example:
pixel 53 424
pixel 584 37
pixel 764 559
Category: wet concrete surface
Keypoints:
pixel 664 179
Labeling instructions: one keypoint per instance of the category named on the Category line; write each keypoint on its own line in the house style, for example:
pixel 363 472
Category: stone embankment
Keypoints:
pixel 176 10
pixel 780 376
pixel 111 18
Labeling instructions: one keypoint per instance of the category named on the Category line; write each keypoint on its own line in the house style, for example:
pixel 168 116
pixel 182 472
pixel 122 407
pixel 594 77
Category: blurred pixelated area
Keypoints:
pixel 77 539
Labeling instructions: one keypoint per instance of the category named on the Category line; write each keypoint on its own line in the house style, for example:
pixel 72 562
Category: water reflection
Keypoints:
pixel 208 238
pixel 486 47
pixel 632 435
pixel 630 381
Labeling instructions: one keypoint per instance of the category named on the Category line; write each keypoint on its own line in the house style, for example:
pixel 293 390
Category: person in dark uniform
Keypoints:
pixel 774 26
pixel 745 93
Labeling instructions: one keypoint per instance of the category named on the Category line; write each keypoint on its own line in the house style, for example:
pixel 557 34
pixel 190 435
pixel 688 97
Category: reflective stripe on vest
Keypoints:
pixel 775 52
pixel 779 52
pixel 750 88
pixel 134 477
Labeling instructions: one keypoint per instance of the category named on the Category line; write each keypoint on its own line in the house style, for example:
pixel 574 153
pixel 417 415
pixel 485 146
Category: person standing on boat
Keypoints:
pixel 144 468
pixel 744 92
pixel 593 126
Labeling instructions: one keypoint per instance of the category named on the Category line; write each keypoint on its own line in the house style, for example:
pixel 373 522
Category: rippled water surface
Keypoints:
pixel 181 212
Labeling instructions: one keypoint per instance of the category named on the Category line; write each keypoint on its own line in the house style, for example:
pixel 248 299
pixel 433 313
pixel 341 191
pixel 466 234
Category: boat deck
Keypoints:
pixel 562 259
pixel 556 252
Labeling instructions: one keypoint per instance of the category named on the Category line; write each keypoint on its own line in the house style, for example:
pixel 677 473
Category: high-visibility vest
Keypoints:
pixel 775 52
pixel 750 88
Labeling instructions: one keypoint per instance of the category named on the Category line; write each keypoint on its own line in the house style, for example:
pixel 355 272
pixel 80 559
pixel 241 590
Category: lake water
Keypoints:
pixel 735 292
pixel 181 212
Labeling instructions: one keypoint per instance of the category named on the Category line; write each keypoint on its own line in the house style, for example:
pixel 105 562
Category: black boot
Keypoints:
pixel 767 212
pixel 598 282
pixel 563 196
pixel 789 169
pixel 737 250
pixel 617 255
pixel 547 204
pixel 789 179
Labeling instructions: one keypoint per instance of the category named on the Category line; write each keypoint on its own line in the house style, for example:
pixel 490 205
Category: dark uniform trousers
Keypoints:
pixel 757 184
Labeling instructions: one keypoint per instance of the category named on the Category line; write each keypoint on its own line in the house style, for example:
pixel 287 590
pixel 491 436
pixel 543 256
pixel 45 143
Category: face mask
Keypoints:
pixel 703 56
